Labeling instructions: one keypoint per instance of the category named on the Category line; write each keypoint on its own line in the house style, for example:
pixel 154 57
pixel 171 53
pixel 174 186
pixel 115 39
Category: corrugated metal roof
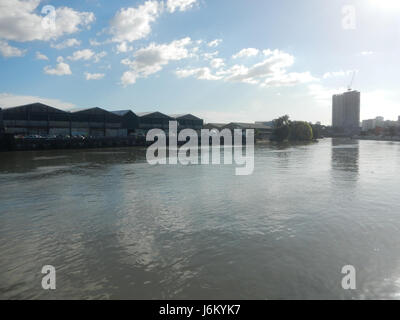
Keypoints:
pixel 143 114
pixel 36 105
pixel 121 112
pixel 28 105
pixel 184 115
pixel 90 109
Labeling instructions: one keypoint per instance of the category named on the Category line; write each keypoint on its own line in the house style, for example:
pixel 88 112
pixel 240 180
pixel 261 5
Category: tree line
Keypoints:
pixel 286 130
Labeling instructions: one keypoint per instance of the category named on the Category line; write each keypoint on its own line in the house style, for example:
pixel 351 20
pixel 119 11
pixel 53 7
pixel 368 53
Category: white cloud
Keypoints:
pixel 271 66
pixel 130 24
pixel 217 63
pixel 95 43
pixel 11 100
pixel 288 79
pixel 249 52
pixel 335 74
pixel 214 43
pixel 66 44
pixel 270 72
pixel 367 53
pixel 181 5
pixel 198 73
pixel 210 55
pixel 41 56
pixel 85 54
pixel 129 77
pixel 9 51
pixel 19 22
pixel 123 47
pixel 94 76
pixel 61 69
pixel 151 59
pixel 99 56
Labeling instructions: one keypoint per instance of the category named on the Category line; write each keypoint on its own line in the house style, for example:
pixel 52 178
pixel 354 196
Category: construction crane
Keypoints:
pixel 352 80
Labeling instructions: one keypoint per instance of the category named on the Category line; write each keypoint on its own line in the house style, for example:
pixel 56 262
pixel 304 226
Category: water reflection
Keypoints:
pixel 345 155
pixel 115 227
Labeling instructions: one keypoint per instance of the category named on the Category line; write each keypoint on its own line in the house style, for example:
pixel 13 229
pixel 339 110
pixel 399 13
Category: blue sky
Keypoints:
pixel 223 60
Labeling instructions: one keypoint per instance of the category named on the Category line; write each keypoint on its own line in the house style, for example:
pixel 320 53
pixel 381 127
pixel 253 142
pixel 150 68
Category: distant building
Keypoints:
pixel 368 125
pixel 212 126
pixel 36 118
pixel 130 121
pixel 390 123
pixel 41 119
pixel 266 123
pixel 188 121
pixel 380 122
pixel 260 130
pixel 97 122
pixel 346 111
pixel 153 120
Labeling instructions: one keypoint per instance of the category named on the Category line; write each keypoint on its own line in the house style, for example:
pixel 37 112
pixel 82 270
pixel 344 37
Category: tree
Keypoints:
pixel 300 131
pixel 284 129
pixel 317 130
pixel 281 128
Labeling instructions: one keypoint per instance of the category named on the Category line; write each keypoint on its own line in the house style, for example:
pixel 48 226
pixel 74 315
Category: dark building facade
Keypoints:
pixel 40 119
pixel 96 122
pixel 129 120
pixel 346 111
pixel 35 118
pixel 188 121
pixel 153 120
pixel 43 120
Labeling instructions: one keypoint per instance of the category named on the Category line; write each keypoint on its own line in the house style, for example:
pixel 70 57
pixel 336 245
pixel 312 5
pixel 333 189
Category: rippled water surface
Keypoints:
pixel 115 227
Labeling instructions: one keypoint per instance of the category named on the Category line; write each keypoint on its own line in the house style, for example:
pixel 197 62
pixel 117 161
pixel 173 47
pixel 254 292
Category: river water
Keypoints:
pixel 115 227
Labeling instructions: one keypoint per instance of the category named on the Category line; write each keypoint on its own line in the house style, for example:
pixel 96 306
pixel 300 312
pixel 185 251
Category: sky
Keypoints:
pixel 222 60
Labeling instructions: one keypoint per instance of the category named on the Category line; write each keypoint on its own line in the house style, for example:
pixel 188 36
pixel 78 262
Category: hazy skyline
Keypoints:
pixel 221 60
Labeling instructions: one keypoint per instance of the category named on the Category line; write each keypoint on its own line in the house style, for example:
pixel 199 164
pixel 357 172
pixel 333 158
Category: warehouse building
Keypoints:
pixel 188 121
pixel 43 120
pixel 214 126
pixel 40 119
pixel 153 120
pixel 129 120
pixel 261 131
pixel 96 122
pixel 35 118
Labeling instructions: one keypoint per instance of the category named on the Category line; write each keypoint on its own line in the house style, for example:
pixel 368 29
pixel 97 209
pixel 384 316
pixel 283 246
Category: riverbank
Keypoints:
pixel 11 144
pixel 375 138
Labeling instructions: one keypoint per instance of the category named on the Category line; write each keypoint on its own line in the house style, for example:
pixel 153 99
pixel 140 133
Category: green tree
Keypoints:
pixel 300 131
pixel 281 128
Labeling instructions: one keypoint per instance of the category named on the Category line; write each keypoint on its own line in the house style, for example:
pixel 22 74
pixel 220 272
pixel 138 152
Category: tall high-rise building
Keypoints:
pixel 346 110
